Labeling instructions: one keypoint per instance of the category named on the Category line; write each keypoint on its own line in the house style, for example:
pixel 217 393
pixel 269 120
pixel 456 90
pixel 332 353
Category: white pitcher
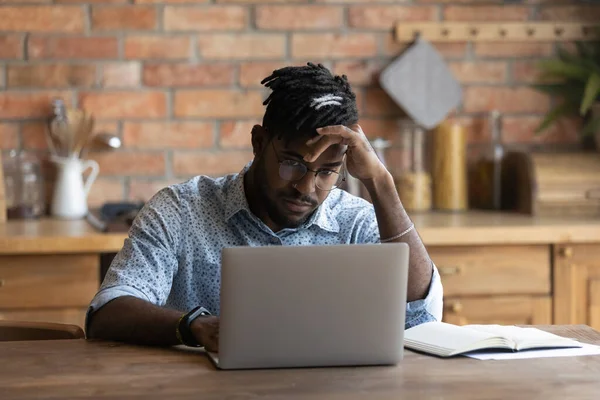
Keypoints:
pixel 69 199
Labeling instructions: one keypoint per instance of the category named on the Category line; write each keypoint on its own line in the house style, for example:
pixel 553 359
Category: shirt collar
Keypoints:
pixel 236 201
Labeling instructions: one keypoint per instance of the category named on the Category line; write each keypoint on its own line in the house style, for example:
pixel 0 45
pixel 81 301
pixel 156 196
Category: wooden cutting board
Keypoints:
pixel 552 184
pixel 2 193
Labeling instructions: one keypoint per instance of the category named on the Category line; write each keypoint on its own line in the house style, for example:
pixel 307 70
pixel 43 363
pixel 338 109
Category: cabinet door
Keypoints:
pixel 577 284
pixel 503 310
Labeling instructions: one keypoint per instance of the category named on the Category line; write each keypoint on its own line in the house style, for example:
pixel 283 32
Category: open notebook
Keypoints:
pixel 446 340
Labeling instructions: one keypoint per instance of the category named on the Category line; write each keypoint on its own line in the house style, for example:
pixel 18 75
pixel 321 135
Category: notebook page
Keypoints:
pixel 524 336
pixel 444 335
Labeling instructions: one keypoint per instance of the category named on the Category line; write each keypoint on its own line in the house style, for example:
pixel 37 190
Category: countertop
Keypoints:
pixel 54 236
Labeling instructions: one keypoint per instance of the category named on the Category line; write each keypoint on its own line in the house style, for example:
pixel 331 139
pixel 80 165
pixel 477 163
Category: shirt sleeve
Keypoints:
pixel 145 266
pixel 417 311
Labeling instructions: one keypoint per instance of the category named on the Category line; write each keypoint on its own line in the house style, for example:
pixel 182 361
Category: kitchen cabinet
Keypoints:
pixel 577 284
pixel 495 268
pixel 495 284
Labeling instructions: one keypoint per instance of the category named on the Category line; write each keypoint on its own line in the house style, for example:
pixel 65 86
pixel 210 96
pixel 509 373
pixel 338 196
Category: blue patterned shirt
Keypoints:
pixel 172 255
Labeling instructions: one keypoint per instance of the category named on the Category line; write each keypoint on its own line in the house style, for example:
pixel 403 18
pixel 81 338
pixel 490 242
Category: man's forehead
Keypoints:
pixel 334 152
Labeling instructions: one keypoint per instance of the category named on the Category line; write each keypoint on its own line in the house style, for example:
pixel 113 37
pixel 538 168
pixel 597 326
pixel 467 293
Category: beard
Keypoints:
pixel 272 200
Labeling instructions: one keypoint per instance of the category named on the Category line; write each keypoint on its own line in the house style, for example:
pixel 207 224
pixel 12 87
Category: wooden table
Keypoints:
pixel 103 370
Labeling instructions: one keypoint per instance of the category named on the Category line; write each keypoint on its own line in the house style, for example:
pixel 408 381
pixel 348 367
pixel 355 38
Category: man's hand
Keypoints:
pixel 206 331
pixel 362 161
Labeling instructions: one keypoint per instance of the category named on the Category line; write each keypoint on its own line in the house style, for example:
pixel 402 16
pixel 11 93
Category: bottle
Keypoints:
pixel 413 179
pixel 25 193
pixel 449 167
pixel 485 183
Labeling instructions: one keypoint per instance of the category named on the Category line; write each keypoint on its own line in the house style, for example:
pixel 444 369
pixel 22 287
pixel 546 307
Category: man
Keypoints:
pixel 288 195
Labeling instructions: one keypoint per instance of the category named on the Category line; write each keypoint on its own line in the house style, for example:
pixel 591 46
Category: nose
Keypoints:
pixel 306 185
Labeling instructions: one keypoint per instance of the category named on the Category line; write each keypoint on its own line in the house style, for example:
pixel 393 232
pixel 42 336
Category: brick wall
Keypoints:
pixel 179 80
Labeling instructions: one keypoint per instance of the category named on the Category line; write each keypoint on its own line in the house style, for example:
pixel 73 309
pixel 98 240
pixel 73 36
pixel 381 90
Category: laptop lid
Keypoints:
pixel 308 306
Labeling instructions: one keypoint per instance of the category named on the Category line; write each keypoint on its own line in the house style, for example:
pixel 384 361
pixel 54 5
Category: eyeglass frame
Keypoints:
pixel 307 170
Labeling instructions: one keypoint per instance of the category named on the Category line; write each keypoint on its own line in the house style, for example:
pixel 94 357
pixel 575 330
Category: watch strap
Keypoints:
pixel 183 330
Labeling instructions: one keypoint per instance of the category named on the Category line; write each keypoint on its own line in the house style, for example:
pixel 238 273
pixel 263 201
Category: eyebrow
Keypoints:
pixel 296 155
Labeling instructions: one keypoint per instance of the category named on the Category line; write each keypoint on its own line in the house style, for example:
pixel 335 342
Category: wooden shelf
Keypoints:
pixel 496 31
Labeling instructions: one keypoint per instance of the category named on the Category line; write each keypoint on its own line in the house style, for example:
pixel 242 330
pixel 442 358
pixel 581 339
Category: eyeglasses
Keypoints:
pixel 325 179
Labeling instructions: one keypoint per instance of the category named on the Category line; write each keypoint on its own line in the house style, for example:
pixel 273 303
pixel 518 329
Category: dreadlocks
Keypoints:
pixel 306 98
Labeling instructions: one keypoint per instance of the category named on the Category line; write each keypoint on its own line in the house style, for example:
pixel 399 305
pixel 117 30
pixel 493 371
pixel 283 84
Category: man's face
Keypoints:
pixel 289 203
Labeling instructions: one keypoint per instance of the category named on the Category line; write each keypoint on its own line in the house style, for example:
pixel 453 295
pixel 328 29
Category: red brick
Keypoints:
pixel 105 190
pixel 384 17
pixel 42 47
pixel 486 13
pixel 236 133
pixel 527 72
pixel 187 75
pixel 460 1
pixel 452 50
pixel 28 105
pixel 21 2
pixel 170 1
pixel 11 47
pixel 253 72
pixel 479 72
pixel 121 75
pixel 91 1
pixel 359 72
pixel 124 18
pixel 379 104
pixel 258 1
pixel 125 104
pixel 205 19
pixel 218 103
pixel 158 135
pixel 478 128
pixel 513 50
pixel 504 99
pixel 577 13
pixel 50 18
pixel 380 127
pixel 9 136
pixel 117 163
pixel 157 47
pixel 51 75
pixel 521 129
pixel 143 190
pixel 33 133
pixel 223 46
pixel 298 17
pixel 332 45
pixel 213 164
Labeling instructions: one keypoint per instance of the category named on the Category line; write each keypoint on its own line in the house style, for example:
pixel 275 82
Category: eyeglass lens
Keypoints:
pixel 325 180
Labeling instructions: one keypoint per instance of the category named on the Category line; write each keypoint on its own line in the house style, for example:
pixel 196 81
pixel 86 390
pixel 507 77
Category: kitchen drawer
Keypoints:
pixel 75 316
pixel 48 281
pixel 503 310
pixel 492 270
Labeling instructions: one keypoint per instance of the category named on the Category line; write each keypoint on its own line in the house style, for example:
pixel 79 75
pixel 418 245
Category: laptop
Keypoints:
pixel 312 306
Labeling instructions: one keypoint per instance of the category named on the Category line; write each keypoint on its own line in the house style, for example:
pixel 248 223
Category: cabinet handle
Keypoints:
pixel 455 307
pixel 448 271
pixel 566 252
pixel 1 282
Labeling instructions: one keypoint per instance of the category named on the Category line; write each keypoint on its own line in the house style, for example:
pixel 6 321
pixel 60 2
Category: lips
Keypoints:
pixel 296 206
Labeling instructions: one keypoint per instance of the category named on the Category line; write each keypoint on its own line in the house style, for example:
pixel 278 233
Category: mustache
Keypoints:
pixel 300 198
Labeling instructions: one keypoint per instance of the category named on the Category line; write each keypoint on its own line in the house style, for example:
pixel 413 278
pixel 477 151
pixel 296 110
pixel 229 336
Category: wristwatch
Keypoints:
pixel 183 329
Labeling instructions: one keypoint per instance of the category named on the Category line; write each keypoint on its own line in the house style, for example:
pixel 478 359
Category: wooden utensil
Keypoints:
pixel 2 193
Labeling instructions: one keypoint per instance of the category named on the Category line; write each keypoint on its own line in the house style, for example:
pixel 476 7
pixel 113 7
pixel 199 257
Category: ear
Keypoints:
pixel 260 139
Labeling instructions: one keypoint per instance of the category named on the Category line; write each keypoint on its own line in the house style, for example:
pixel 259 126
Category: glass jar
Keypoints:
pixel 24 186
pixel 412 176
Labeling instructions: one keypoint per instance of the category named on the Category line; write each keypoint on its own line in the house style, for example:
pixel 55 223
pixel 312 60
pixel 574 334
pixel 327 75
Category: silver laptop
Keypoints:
pixel 312 306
